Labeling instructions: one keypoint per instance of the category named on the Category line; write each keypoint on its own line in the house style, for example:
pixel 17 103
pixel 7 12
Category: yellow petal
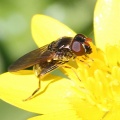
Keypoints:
pixel 64 115
pixel 46 29
pixel 107 23
pixel 112 55
pixel 15 87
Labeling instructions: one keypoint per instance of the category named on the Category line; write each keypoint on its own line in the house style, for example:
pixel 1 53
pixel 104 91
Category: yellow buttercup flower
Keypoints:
pixel 96 96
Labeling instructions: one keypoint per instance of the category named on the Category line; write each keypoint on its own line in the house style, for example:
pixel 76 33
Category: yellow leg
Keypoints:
pixel 72 70
pixel 32 95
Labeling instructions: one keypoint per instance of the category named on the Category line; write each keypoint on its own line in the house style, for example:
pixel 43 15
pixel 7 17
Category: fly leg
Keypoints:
pixel 85 57
pixel 32 95
pixel 88 57
pixel 40 72
pixel 37 70
pixel 69 67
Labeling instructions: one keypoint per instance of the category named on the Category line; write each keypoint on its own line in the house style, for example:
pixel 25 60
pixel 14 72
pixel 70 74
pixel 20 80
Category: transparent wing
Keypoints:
pixel 36 56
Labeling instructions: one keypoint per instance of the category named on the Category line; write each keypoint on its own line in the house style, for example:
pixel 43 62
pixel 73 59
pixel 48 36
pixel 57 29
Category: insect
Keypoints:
pixel 52 56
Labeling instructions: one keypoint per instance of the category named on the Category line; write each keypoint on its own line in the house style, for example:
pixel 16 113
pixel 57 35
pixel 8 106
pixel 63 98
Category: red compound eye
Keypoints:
pixel 80 45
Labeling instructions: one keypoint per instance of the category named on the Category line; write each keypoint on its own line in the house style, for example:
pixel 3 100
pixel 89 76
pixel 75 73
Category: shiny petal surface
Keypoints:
pixel 15 87
pixel 46 29
pixel 63 115
pixel 107 23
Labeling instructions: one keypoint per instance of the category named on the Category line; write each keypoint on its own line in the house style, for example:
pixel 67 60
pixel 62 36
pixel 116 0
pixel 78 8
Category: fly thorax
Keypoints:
pixel 63 55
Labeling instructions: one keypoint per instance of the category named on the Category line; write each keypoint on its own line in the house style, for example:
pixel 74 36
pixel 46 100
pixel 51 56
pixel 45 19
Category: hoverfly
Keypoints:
pixel 53 55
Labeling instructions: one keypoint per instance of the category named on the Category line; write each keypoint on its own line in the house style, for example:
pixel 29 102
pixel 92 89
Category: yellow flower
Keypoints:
pixel 96 96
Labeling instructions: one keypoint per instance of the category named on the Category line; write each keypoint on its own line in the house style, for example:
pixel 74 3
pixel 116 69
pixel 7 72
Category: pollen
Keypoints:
pixel 100 79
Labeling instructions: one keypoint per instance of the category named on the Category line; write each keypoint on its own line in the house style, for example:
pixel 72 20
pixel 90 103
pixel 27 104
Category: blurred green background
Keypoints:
pixel 15 32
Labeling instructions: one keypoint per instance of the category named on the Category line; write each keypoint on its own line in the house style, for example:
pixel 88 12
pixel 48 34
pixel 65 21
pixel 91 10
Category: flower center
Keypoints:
pixel 100 81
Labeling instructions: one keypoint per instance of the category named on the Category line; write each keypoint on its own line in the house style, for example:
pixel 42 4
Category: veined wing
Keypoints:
pixel 36 56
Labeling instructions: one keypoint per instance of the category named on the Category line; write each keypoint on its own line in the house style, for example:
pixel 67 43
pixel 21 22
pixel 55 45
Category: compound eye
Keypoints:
pixel 80 45
pixel 77 48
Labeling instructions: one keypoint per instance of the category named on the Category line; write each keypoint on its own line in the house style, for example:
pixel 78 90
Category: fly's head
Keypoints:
pixel 80 45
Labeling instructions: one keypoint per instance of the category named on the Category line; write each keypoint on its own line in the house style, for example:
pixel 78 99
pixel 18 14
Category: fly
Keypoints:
pixel 51 56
